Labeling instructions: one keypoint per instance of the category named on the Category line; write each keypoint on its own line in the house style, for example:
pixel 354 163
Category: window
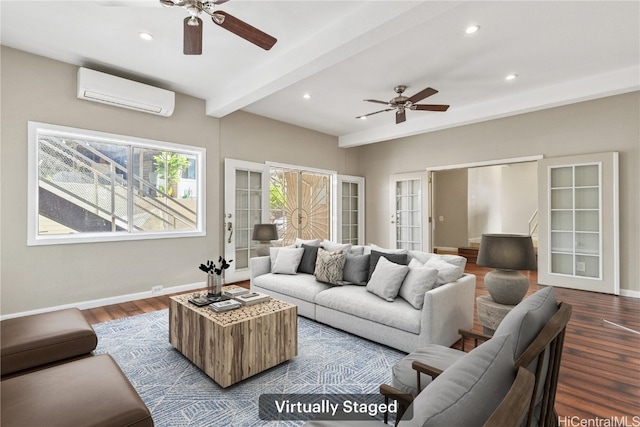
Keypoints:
pixel 87 186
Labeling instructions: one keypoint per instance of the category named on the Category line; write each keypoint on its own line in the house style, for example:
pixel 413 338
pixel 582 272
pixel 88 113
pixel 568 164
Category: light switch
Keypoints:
pixel 440 218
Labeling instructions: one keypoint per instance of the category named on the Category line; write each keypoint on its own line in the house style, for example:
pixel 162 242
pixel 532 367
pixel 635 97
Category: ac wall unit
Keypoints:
pixel 118 92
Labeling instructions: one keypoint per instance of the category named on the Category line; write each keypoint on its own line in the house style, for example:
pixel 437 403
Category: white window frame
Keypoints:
pixel 34 239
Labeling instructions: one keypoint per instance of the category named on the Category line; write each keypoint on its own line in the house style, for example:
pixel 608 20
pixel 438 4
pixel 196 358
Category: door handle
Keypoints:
pixel 230 230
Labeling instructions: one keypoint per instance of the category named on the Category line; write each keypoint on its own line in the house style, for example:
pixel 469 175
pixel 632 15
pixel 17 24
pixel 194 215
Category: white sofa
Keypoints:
pixel 354 309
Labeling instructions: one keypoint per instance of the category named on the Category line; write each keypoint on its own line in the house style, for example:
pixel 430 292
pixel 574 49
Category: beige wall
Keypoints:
pixel 33 277
pixel 608 124
pixel 39 89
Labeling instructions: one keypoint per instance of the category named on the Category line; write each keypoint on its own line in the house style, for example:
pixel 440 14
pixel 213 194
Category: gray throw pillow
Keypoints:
pixel 446 272
pixel 356 269
pixel 468 391
pixel 387 279
pixel 308 262
pixel 419 281
pixel 329 266
pixel 375 256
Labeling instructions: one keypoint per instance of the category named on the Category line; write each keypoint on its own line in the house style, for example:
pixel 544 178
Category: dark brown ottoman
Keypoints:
pixel 87 392
pixel 41 339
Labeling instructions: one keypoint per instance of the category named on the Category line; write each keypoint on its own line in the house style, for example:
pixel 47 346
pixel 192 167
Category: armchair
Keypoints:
pixel 537 326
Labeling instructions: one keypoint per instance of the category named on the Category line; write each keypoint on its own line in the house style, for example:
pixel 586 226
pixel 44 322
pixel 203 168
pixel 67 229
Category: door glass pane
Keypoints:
pixel 248 212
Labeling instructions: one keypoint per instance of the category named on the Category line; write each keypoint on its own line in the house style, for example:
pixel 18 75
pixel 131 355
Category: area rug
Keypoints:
pixel 329 361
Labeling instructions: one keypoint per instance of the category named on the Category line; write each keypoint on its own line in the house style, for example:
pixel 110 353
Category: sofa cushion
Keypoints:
pixel 330 246
pixel 357 301
pixel 356 269
pixel 467 393
pixel 287 261
pixel 398 258
pixel 308 261
pixel 40 339
pixel 312 242
pixel 423 257
pixel 387 279
pixel 329 266
pixel 300 286
pixel 403 376
pixel 528 318
pixel 89 392
pixel 419 280
pixel 446 272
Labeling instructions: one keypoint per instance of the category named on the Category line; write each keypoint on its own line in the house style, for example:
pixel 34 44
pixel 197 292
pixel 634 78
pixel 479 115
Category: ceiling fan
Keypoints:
pixel 192 44
pixel 402 103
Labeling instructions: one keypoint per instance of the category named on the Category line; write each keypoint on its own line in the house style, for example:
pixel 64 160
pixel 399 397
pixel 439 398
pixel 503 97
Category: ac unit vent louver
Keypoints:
pixel 118 92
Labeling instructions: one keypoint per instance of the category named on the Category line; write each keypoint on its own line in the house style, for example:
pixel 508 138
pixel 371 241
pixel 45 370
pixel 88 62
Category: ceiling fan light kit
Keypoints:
pixel 192 44
pixel 402 103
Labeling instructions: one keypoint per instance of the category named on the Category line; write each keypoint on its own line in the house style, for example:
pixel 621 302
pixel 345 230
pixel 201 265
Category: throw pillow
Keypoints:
pixel 468 391
pixel 356 250
pixel 273 253
pixel 375 256
pixel 375 247
pixel 356 269
pixel 308 262
pixel 419 281
pixel 446 272
pixel 387 279
pixel 287 260
pixel 329 266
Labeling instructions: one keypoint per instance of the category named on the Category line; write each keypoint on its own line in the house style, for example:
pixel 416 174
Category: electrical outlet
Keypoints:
pixel 155 290
pixel 580 266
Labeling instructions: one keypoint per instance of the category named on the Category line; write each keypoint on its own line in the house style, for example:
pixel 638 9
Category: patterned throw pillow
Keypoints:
pixel 329 266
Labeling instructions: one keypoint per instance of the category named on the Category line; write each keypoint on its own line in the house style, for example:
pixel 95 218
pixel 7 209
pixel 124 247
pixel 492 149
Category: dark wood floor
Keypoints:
pixel 600 371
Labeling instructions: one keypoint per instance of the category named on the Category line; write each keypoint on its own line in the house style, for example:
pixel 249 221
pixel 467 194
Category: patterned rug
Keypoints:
pixel 329 361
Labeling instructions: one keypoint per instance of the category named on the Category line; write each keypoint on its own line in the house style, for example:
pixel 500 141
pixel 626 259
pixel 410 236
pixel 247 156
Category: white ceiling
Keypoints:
pixel 342 52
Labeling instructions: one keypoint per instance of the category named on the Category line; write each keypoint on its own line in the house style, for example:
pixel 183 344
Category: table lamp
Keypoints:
pixel 264 233
pixel 507 253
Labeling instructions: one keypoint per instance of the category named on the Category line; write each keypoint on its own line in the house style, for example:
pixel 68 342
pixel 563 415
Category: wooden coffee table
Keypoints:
pixel 236 344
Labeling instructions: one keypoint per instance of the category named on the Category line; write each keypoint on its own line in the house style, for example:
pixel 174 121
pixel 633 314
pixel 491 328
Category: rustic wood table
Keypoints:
pixel 236 344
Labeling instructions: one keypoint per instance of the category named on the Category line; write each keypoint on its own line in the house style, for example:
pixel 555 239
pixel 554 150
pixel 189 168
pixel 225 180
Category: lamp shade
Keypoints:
pixel 507 252
pixel 264 232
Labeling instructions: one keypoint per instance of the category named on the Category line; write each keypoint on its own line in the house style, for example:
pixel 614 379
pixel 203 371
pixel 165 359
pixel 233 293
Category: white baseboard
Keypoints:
pixel 84 305
pixel 630 294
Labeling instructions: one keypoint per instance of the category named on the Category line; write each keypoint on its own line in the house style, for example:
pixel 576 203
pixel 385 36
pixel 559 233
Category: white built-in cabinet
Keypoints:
pixel 578 237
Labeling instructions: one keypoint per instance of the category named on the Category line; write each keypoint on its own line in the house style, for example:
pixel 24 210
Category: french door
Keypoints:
pixel 579 231
pixel 246 204
pixel 407 206
pixel 303 203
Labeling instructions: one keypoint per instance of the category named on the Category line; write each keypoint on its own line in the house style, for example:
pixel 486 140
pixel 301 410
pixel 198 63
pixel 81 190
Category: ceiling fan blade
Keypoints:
pixel 422 95
pixel 167 3
pixel 429 107
pixel 192 43
pixel 376 101
pixel 218 2
pixel 244 30
pixel 401 116
pixel 371 114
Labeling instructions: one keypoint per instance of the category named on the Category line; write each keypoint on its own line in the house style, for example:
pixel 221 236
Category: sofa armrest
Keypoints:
pixel 259 266
pixel 447 309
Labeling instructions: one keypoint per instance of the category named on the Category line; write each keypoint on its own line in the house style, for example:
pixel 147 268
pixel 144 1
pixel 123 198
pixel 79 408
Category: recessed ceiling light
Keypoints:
pixel 145 36
pixel 511 77
pixel 472 29
pixel 307 96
